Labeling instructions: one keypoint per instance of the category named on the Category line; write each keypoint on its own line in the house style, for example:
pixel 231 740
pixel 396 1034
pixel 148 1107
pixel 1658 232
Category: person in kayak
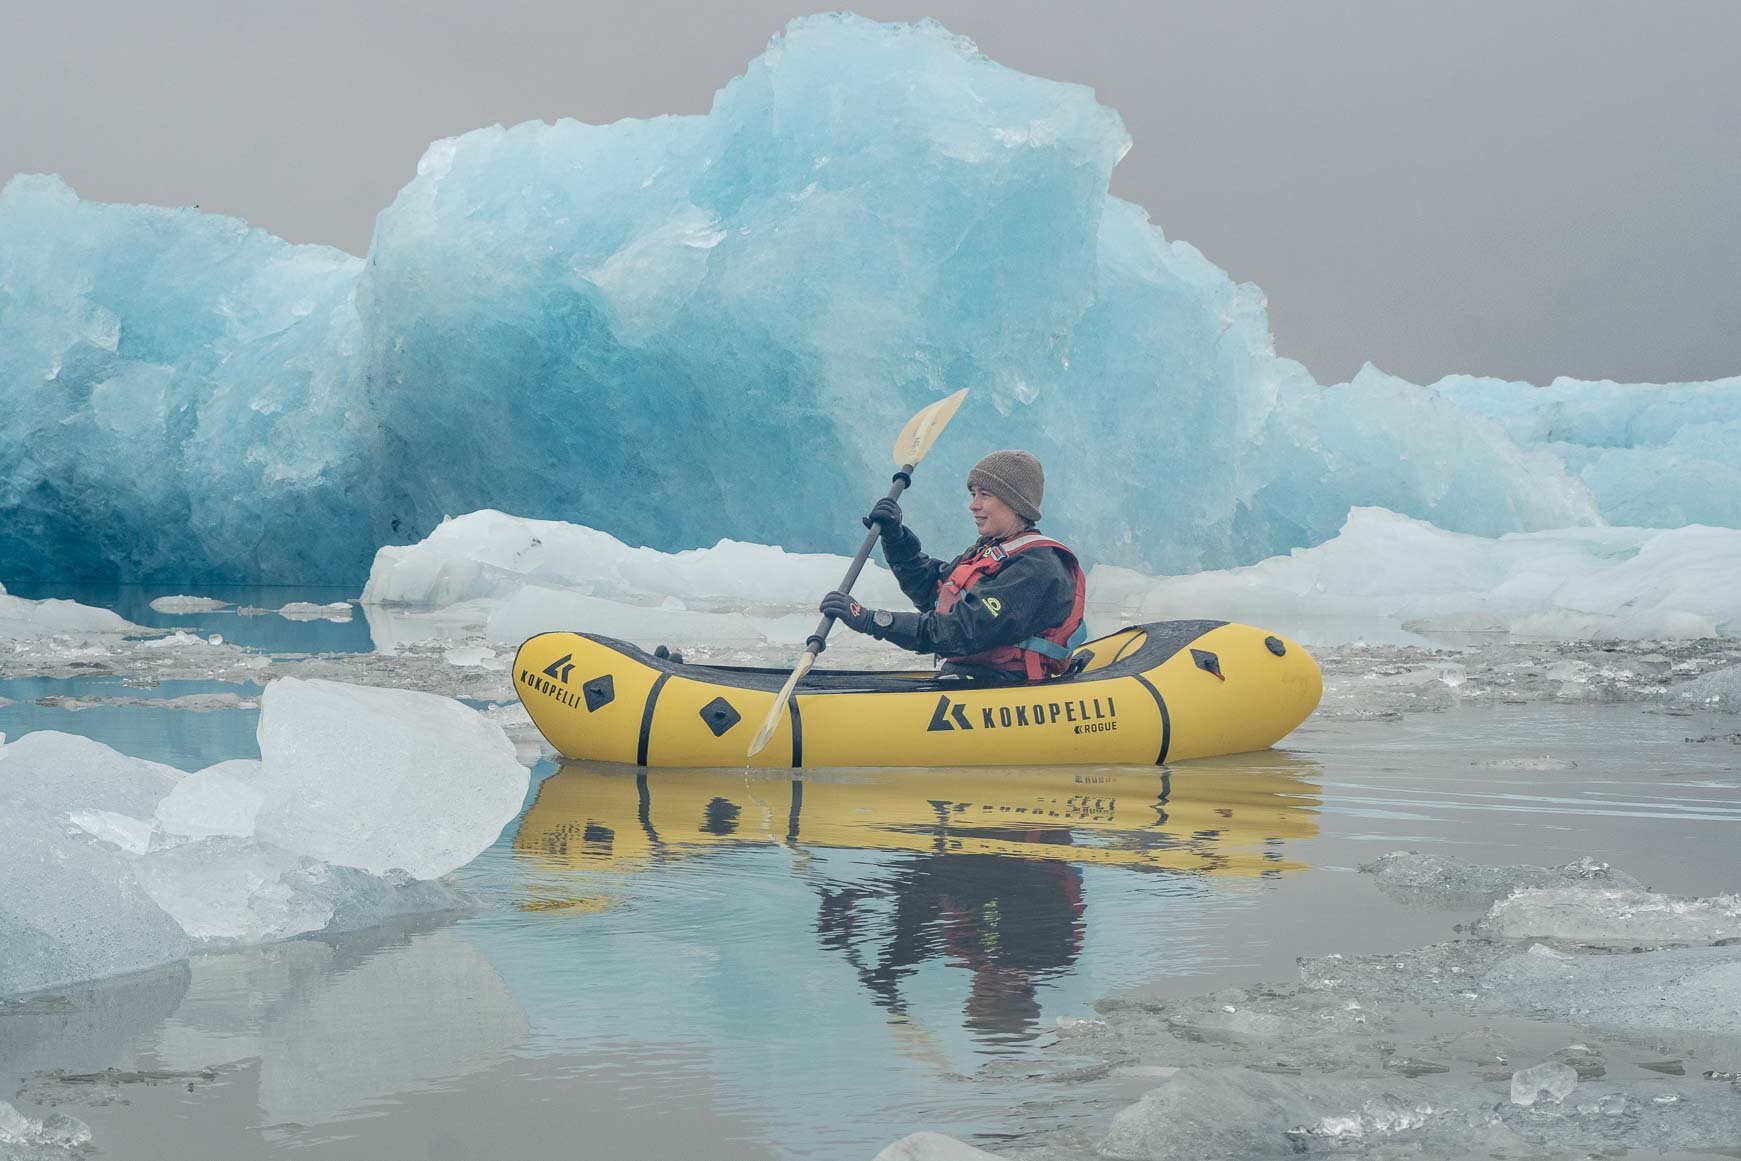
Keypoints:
pixel 1008 609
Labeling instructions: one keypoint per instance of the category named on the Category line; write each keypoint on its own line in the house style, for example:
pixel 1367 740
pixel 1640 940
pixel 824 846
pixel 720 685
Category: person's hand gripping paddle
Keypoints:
pixel 915 440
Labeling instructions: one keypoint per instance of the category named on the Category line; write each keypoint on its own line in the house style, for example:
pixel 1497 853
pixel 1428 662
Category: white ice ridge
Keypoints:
pixel 491 554
pixel 25 620
pixel 1569 583
pixel 362 798
pixel 508 578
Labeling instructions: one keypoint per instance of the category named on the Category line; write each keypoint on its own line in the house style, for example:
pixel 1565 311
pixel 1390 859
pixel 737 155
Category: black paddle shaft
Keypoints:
pixel 817 641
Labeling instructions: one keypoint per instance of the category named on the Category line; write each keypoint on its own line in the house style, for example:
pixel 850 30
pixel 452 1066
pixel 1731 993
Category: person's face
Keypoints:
pixel 991 515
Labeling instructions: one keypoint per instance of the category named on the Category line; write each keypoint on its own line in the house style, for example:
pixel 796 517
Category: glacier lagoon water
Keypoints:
pixel 678 960
pixel 650 327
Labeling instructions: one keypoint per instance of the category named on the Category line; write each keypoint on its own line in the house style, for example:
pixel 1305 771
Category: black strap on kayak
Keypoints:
pixel 1166 718
pixel 647 719
pixel 797 733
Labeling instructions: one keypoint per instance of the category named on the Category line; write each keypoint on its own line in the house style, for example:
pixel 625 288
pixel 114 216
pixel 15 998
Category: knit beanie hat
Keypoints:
pixel 1015 478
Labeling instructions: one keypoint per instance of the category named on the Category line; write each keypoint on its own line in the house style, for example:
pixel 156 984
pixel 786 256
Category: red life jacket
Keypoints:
pixel 1046 654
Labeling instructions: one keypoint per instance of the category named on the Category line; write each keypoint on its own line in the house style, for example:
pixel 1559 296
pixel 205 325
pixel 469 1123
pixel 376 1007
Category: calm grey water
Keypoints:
pixel 707 963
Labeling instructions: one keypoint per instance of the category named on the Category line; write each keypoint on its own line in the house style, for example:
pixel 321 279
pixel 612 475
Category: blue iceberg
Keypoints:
pixel 688 328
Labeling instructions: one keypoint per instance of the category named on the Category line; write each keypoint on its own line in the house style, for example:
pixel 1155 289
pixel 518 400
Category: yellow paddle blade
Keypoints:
pixel 923 429
pixel 773 720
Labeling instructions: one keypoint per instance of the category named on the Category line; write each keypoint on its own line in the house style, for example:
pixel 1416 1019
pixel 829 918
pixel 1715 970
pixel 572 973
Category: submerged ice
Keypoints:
pixel 360 800
pixel 654 327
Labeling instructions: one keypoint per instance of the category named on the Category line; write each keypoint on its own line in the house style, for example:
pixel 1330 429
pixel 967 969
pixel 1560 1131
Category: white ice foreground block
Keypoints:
pixel 382 779
pixel 110 864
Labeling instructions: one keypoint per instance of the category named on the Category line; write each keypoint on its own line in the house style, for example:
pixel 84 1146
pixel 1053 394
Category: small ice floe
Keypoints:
pixel 473 656
pixel 180 639
pixel 1719 689
pixel 1424 878
pixel 1234 1112
pixel 308 611
pixel 1614 916
pixel 1551 1081
pixel 1380 1116
pixel 177 605
pixel 56 1132
pixel 25 620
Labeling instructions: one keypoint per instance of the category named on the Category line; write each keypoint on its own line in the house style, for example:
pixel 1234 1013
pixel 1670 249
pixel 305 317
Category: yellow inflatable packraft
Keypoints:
pixel 1146 695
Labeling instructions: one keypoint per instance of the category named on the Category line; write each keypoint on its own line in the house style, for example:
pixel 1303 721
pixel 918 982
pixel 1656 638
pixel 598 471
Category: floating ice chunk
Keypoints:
pixel 219 800
pixel 1721 689
pixel 1226 1112
pixel 180 639
pixel 1415 876
pixel 382 779
pixel 56 1132
pixel 1602 916
pixel 1551 1080
pixel 308 611
pixel 472 656
pixel 112 864
pixel 932 1147
pixel 186 604
pixel 1381 1116
pixel 22 620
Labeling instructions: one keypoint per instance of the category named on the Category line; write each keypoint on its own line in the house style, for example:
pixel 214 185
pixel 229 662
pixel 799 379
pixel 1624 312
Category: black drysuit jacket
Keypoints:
pixel 1033 591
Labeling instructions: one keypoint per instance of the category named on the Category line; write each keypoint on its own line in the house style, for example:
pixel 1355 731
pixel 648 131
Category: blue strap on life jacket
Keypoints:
pixel 1045 648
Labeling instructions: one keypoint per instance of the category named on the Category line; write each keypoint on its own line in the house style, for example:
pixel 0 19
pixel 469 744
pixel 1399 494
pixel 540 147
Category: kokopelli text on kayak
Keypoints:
pixel 1086 715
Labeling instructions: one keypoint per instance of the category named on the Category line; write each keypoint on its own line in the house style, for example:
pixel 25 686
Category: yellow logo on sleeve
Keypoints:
pixel 993 606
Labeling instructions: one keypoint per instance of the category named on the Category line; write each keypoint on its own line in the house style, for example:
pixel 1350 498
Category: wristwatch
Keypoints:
pixel 882 619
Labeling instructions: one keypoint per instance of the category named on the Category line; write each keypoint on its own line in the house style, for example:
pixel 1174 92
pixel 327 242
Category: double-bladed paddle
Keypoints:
pixel 915 440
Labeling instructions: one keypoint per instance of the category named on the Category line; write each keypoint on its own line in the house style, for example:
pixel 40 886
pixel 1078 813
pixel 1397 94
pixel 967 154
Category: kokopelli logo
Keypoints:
pixel 560 668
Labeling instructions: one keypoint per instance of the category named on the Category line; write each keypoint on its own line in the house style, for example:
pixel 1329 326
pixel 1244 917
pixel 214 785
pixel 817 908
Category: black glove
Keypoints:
pixel 886 513
pixel 852 614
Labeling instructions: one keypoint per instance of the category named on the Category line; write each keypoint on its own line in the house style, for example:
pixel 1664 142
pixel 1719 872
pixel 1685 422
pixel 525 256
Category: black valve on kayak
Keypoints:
pixel 666 653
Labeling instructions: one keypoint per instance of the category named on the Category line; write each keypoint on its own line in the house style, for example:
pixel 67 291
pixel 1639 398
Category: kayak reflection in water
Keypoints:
pixel 1007 609
pixel 1014 923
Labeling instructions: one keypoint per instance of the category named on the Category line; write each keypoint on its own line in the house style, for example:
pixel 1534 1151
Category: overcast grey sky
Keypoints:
pixel 1521 188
